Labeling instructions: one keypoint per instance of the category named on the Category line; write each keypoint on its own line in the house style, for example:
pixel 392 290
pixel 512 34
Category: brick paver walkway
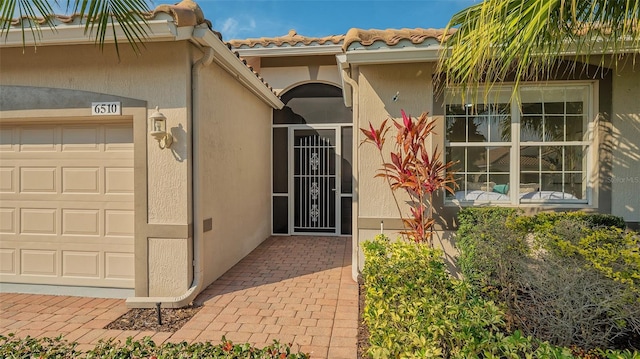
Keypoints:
pixel 294 289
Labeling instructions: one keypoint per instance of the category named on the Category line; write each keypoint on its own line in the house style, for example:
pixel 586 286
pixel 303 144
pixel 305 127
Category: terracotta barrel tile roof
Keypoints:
pixel 292 39
pixel 184 13
pixel 392 37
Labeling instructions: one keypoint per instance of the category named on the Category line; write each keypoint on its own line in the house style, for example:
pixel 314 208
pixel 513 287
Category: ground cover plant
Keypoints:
pixel 12 347
pixel 415 309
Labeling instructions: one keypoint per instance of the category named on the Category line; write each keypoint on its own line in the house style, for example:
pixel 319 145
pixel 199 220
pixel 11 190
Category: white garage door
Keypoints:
pixel 66 204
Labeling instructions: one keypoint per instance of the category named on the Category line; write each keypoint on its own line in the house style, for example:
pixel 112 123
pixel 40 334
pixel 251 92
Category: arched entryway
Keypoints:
pixel 312 156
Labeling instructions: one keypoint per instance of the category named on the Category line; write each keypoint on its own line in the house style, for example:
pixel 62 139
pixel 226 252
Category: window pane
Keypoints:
pixel 280 160
pixel 531 128
pixel 576 128
pixel 456 110
pixel 573 158
pixel 345 210
pixel 553 107
pixel 574 186
pixel 456 129
pixel 574 108
pixel 456 154
pixel 478 129
pixel 554 128
pixel 551 158
pixel 532 108
pixel 499 183
pixel 552 182
pixel 280 214
pixel 529 158
pixel 347 158
pixel 476 159
pixel 499 159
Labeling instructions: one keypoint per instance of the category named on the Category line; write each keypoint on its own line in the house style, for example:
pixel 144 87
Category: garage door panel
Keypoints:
pixel 8 261
pixel 7 180
pixel 81 222
pixel 81 180
pixel 7 142
pixel 39 262
pixel 119 265
pixel 37 139
pixel 118 138
pixel 8 220
pixel 67 204
pixel 81 138
pixel 81 264
pixel 119 223
pixel 118 180
pixel 38 179
pixel 38 220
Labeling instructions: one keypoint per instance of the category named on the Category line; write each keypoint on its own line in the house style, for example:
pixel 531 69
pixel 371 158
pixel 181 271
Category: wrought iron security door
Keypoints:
pixel 314 180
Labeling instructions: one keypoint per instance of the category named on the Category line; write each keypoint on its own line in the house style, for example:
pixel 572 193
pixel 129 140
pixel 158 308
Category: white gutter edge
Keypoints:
pixel 235 67
pixel 343 68
pixel 159 30
pixel 289 51
pixel 391 56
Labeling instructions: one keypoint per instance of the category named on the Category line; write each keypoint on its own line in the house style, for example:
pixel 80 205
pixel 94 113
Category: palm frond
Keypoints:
pixel 519 40
pixel 99 16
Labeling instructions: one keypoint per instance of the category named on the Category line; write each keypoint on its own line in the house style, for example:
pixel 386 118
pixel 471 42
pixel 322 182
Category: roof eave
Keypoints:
pixel 230 62
pixel 159 30
pixel 389 55
pixel 289 51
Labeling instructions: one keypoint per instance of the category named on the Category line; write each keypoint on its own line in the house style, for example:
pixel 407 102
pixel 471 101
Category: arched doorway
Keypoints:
pixel 312 156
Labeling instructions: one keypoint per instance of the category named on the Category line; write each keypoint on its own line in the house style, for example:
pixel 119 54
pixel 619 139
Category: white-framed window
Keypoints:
pixel 535 148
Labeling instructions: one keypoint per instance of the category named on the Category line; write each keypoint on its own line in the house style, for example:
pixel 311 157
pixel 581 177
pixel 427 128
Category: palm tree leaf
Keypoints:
pixel 521 40
pixel 98 15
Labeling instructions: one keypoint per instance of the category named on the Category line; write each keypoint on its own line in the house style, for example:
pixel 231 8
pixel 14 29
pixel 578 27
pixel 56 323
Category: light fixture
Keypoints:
pixel 159 129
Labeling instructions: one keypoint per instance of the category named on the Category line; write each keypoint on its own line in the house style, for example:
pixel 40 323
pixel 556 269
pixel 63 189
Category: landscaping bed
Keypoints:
pixel 414 308
pixel 147 319
pixel 45 348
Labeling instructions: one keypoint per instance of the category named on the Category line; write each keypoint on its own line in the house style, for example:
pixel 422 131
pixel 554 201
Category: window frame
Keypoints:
pixel 589 144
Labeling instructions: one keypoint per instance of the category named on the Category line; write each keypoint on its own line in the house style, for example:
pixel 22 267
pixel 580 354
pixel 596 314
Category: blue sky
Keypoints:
pixel 240 19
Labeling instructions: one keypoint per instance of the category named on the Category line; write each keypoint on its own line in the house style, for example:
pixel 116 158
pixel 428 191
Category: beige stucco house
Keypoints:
pixel 92 200
pixel 572 145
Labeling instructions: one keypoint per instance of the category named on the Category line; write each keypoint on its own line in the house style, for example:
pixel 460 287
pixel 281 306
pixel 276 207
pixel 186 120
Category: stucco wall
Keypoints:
pixel 160 76
pixel 625 179
pixel 235 138
pixel 377 87
pixel 284 78
pixel 156 76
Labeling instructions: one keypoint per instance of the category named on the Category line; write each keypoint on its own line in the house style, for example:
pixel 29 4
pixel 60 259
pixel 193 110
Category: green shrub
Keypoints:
pixel 568 278
pixel 488 244
pixel 13 347
pixel 414 309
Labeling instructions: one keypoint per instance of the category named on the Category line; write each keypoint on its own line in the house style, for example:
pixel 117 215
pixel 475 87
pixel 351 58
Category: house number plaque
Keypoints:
pixel 105 108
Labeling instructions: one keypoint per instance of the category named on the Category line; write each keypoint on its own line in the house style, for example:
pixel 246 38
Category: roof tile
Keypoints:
pixel 392 37
pixel 292 39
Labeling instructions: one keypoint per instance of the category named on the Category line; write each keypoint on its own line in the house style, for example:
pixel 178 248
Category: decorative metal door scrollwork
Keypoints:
pixel 315 181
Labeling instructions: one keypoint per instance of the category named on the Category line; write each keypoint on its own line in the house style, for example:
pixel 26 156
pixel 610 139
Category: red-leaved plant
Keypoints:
pixel 414 169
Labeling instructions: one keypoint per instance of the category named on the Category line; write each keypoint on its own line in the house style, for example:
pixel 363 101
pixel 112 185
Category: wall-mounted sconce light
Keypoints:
pixel 159 129
pixel 395 98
